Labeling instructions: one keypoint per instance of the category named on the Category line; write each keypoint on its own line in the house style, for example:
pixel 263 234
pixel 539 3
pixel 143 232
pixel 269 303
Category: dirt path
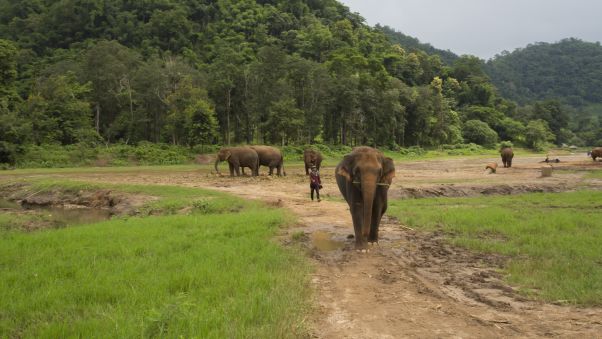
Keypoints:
pixel 413 284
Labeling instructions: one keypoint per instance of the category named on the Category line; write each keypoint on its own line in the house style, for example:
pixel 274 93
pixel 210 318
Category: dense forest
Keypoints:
pixel 191 72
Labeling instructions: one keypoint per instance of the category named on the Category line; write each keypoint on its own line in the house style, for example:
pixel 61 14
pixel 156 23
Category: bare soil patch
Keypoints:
pixel 413 284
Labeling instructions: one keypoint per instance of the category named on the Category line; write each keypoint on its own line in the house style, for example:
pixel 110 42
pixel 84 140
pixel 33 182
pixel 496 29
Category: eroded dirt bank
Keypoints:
pixel 413 284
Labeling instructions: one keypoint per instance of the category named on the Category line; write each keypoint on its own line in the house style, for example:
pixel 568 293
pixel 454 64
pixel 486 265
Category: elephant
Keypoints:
pixel 507 155
pixel 596 153
pixel 270 157
pixel 364 177
pixel 238 157
pixel 311 157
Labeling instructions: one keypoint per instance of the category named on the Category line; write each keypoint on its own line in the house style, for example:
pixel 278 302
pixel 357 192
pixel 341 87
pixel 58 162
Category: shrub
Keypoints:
pixel 412 151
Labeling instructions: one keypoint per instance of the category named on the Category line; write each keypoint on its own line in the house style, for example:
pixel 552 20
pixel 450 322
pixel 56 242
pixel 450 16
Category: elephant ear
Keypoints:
pixel 344 168
pixel 388 170
pixel 228 155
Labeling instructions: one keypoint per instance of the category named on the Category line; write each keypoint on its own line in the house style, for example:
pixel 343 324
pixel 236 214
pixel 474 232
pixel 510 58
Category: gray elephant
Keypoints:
pixel 596 153
pixel 312 157
pixel 270 157
pixel 364 177
pixel 238 157
pixel 507 155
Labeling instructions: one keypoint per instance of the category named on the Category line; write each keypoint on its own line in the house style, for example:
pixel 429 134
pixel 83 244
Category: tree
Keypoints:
pixel 201 123
pixel 184 102
pixel 225 73
pixel 480 133
pixel 109 67
pixel 552 112
pixel 58 111
pixel 285 121
pixel 538 134
pixel 8 74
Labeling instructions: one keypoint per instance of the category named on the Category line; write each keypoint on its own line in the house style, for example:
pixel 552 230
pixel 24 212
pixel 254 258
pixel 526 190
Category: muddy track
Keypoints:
pixel 413 284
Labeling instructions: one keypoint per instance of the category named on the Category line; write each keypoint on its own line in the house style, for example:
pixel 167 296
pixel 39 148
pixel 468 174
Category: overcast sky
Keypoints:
pixel 485 27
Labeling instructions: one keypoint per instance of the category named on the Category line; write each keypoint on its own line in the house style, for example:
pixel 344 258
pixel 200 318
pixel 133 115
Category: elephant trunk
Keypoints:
pixel 217 162
pixel 368 192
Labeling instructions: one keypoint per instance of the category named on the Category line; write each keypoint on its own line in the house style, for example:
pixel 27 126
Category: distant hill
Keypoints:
pixel 413 44
pixel 569 70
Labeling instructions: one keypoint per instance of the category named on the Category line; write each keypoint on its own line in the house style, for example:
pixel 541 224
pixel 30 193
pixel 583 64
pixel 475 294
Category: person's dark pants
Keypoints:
pixel 315 188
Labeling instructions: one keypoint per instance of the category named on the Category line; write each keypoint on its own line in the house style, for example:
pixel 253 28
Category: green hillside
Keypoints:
pixel 569 70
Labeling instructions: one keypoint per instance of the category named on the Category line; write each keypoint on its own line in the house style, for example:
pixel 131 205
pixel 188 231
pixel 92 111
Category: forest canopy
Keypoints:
pixel 192 72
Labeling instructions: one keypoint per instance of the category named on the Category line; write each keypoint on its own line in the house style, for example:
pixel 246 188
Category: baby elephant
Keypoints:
pixel 492 166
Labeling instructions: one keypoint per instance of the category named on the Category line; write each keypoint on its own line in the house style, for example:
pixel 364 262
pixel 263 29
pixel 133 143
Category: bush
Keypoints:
pixel 463 149
pixel 413 151
pixel 505 144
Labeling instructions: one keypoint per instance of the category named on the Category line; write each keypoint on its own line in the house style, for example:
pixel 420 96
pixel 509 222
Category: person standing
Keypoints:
pixel 315 183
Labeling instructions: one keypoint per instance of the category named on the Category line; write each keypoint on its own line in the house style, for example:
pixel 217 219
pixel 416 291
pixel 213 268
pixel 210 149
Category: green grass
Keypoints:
pixel 597 174
pixel 213 273
pixel 553 240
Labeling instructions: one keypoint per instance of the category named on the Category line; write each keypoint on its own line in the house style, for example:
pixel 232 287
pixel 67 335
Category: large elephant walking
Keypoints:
pixel 238 157
pixel 312 157
pixel 364 177
pixel 271 157
pixel 507 155
pixel 596 153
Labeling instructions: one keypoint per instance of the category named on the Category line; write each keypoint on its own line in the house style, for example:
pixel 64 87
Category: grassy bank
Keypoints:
pixel 148 154
pixel 552 240
pixel 211 273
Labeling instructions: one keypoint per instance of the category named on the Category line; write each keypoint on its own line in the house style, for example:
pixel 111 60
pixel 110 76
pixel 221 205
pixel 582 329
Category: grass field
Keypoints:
pixel 553 241
pixel 213 273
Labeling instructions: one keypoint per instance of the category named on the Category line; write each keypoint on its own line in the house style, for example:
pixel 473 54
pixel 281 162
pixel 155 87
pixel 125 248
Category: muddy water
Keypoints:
pixel 77 216
pixel 5 204
pixel 323 241
pixel 60 216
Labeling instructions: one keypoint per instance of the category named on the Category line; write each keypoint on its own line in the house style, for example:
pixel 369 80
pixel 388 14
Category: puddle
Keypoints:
pixel 323 241
pixel 60 216
pixel 75 216
pixel 6 204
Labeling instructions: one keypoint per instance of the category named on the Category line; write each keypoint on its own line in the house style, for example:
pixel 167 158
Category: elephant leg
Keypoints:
pixel 306 169
pixel 380 207
pixel 279 170
pixel 356 216
pixel 231 169
pixel 237 169
pixel 242 169
pixel 271 170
